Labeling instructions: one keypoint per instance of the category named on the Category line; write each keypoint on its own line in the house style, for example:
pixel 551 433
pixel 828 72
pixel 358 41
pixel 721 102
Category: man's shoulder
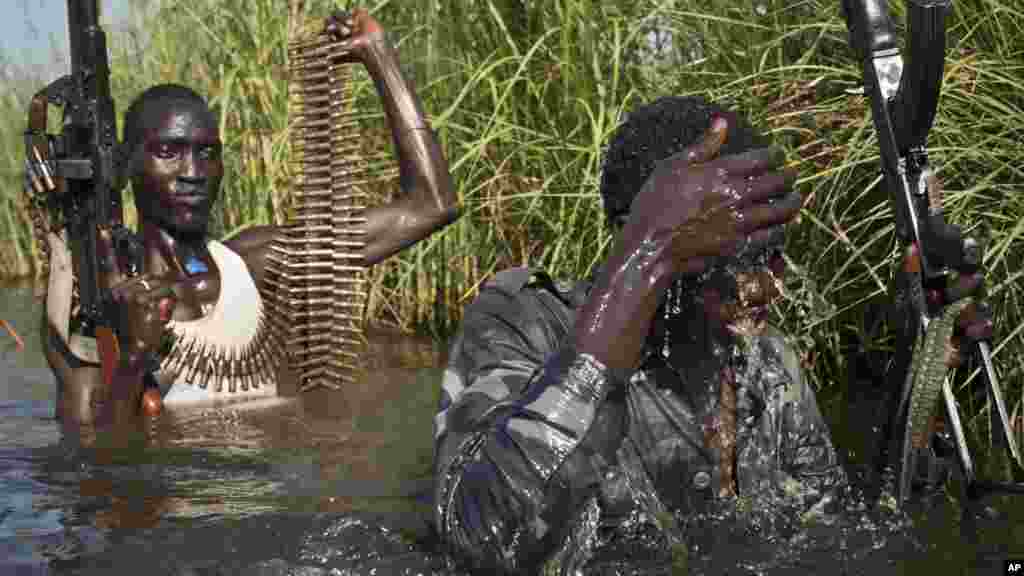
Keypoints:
pixel 526 286
pixel 250 240
pixel 517 320
pixel 523 299
pixel 252 245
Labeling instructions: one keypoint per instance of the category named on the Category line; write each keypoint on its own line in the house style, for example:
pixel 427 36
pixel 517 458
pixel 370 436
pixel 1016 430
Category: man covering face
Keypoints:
pixel 608 419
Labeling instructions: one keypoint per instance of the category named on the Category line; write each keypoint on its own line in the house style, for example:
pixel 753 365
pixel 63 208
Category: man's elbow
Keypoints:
pixel 448 214
pixel 251 239
pixel 420 221
pixel 443 200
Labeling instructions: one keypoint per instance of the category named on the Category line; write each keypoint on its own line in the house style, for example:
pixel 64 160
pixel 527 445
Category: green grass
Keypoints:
pixel 524 96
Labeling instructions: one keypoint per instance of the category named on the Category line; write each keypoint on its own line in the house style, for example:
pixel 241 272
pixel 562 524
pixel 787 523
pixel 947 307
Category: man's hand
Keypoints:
pixel 357 29
pixel 694 207
pixel 146 305
pixel 697 206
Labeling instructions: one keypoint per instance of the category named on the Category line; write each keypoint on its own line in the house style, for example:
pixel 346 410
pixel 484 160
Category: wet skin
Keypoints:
pixel 176 173
pixel 731 301
pixel 178 168
pixel 695 207
pixel 427 201
pixel 181 170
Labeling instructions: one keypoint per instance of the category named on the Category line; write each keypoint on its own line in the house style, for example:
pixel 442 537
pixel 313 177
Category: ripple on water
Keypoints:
pixel 295 491
pixel 221 490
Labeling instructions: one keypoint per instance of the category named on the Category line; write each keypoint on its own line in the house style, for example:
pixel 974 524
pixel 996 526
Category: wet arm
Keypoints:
pixel 523 446
pixel 82 397
pixel 614 323
pixel 426 201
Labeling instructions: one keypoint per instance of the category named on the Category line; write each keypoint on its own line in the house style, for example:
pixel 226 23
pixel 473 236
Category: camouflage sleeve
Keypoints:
pixel 511 460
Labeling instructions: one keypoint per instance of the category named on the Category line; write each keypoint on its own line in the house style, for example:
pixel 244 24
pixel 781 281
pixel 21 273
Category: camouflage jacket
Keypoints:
pixel 545 461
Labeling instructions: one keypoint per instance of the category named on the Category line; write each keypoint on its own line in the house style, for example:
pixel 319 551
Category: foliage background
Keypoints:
pixel 524 96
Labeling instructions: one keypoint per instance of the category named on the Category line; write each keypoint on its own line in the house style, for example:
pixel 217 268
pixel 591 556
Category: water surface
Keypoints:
pixel 337 483
pixel 334 481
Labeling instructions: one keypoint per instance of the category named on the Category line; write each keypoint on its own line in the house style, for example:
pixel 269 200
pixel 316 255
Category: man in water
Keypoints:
pixel 589 425
pixel 172 151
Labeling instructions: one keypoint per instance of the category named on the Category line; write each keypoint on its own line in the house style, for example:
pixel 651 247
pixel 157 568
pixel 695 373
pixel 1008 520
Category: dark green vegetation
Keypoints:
pixel 524 99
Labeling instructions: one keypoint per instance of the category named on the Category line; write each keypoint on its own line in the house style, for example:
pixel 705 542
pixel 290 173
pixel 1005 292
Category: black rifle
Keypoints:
pixel 903 104
pixel 74 174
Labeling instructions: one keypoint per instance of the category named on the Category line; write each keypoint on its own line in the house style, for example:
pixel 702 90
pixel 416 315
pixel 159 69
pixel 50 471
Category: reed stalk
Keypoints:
pixel 523 96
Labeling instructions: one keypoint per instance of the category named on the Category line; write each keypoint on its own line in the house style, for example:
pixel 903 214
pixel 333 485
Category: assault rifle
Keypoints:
pixel 73 175
pixel 904 98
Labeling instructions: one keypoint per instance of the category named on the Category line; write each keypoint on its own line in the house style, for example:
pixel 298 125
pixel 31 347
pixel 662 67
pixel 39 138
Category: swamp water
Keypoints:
pixel 340 486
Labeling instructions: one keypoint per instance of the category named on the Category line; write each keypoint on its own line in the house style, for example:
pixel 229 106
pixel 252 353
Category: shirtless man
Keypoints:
pixel 193 284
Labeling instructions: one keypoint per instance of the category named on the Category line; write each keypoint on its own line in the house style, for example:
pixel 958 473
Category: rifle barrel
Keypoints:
pixel 89 136
pixel 83 15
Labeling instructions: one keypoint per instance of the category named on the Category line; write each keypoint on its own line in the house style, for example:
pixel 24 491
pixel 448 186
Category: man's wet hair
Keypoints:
pixel 144 110
pixel 655 131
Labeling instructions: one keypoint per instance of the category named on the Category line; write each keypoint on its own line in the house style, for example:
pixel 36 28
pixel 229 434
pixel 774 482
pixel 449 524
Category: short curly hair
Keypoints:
pixel 139 114
pixel 656 131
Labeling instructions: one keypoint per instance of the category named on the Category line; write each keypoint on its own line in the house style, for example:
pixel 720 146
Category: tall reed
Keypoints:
pixel 524 95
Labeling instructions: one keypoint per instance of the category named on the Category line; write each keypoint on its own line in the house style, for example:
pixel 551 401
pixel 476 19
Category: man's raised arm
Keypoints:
pixel 426 201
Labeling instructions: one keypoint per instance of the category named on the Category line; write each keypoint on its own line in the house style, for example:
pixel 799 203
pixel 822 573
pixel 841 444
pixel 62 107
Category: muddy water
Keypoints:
pixel 338 484
pixel 330 482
